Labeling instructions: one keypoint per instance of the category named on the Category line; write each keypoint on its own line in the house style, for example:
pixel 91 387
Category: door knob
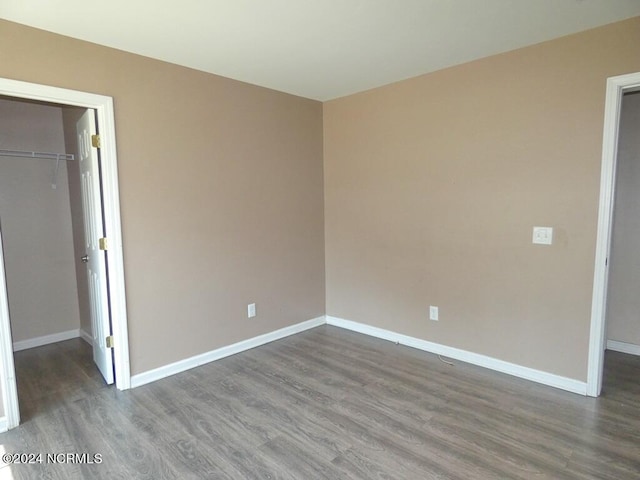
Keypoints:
pixel 85 259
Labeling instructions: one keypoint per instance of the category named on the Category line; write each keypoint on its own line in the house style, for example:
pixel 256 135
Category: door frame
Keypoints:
pixel 7 370
pixel 103 105
pixel 616 88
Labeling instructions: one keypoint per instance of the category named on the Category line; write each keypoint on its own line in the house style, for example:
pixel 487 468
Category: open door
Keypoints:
pixel 95 256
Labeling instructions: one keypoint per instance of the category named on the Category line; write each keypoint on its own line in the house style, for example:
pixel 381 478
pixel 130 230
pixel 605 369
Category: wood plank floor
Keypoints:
pixel 326 403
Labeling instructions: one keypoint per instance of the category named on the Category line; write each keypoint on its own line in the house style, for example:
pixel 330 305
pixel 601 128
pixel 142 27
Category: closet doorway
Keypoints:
pixel 90 188
pixel 623 303
pixel 617 88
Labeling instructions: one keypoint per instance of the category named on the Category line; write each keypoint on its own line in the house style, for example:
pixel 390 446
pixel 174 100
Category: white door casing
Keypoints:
pixel 96 259
pixel 7 370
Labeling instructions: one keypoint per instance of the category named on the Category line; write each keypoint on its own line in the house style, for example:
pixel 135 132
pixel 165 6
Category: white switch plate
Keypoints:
pixel 251 310
pixel 543 235
pixel 433 313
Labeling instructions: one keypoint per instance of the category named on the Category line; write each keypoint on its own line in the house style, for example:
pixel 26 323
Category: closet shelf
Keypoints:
pixel 45 155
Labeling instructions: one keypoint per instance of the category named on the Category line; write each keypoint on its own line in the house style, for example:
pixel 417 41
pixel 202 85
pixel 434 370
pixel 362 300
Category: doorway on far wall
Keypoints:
pixel 619 135
pixel 623 301
pixel 99 153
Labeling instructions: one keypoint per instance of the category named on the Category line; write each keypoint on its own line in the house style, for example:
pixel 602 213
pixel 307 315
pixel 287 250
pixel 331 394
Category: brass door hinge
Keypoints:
pixel 110 341
pixel 102 243
pixel 95 141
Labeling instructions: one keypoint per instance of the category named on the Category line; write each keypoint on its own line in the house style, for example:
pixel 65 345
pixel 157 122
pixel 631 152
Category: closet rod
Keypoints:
pixel 45 155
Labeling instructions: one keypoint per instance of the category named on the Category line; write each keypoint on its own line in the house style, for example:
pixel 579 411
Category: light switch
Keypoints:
pixel 543 235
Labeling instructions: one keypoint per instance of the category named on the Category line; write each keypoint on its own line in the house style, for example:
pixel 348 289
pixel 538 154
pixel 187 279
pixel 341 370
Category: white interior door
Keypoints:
pixel 95 258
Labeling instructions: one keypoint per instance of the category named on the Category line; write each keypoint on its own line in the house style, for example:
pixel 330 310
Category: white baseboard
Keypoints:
pixel 538 376
pixel 3 424
pixel 86 337
pixel 195 361
pixel 527 373
pixel 45 340
pixel 623 347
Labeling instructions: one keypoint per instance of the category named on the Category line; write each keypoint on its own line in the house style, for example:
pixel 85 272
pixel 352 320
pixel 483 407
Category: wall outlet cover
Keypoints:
pixel 543 235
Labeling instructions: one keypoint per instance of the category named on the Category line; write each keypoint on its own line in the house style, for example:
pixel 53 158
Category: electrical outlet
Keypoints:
pixel 433 313
pixel 251 310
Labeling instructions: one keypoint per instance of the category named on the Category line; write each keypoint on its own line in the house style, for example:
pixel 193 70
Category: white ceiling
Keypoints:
pixel 320 49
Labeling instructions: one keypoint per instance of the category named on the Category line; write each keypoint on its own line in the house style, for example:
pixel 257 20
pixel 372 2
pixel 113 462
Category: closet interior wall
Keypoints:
pixel 37 223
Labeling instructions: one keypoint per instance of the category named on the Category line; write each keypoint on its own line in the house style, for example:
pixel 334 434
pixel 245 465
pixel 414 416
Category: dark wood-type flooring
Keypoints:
pixel 326 403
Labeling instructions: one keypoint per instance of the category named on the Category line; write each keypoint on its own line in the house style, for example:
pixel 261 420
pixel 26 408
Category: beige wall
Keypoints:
pixel 623 305
pixel 433 185
pixel 36 224
pixel 221 191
